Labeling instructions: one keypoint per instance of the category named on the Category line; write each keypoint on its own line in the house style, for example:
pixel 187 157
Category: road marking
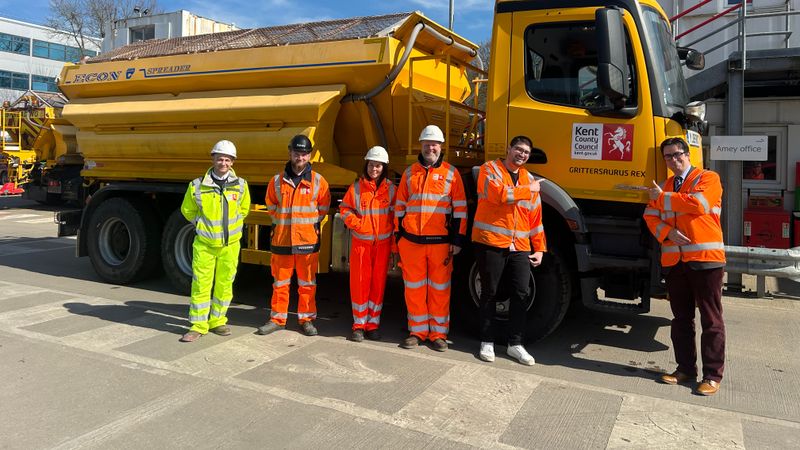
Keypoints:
pixel 42 220
pixel 18 216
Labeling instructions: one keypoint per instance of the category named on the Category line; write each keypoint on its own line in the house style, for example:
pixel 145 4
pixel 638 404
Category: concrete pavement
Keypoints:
pixel 88 365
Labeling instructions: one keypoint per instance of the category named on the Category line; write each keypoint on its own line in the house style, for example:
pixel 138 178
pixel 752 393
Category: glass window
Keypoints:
pixel 763 170
pixel 15 44
pixel 58 52
pixel 13 80
pixel 42 83
pixel 143 33
pixel 561 65
pixel 665 59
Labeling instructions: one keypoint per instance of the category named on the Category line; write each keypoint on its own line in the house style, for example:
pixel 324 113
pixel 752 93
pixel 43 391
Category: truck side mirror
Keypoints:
pixel 612 63
pixel 695 60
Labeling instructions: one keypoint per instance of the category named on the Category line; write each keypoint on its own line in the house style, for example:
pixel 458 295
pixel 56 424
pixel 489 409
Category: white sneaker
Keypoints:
pixel 487 351
pixel 519 353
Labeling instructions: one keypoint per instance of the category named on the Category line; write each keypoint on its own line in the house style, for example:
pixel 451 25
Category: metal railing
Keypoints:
pixel 763 262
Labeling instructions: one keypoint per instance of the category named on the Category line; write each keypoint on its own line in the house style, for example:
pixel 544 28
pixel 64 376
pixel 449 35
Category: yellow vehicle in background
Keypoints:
pixel 596 87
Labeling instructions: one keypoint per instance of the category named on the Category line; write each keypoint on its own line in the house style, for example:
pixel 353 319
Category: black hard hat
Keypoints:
pixel 300 143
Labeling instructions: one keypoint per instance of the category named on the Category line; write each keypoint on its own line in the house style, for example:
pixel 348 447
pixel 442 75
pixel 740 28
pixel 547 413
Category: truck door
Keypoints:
pixel 593 150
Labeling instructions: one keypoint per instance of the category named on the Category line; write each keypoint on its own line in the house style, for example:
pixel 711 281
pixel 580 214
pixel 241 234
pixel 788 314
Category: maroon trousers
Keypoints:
pixel 702 289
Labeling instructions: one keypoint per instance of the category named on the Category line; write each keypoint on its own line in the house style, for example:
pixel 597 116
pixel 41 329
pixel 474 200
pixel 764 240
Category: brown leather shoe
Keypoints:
pixel 410 342
pixel 676 378
pixel 191 336
pixel 707 387
pixel 222 330
pixel 440 345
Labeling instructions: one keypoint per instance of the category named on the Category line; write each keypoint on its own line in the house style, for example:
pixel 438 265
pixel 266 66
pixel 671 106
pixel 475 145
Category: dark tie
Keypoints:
pixel 677 183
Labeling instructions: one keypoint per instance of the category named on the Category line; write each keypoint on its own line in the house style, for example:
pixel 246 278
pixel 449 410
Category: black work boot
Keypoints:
pixel 309 329
pixel 269 327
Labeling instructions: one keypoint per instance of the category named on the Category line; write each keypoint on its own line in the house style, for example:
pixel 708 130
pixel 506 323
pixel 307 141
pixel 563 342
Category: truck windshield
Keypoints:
pixel 666 62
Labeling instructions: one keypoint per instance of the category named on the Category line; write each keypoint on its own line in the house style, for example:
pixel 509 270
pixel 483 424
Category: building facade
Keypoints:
pixel 159 26
pixel 31 57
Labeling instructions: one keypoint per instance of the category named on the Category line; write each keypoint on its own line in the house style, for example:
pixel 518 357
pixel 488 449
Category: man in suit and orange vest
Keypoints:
pixel 508 237
pixel 684 215
pixel 431 225
pixel 297 200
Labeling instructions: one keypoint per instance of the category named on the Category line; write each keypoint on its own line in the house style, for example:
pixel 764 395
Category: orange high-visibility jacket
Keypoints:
pixel 296 212
pixel 369 211
pixel 431 206
pixel 695 211
pixel 506 213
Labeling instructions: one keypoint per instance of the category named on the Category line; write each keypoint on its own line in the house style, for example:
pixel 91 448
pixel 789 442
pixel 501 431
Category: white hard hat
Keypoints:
pixel 431 133
pixel 378 154
pixel 224 148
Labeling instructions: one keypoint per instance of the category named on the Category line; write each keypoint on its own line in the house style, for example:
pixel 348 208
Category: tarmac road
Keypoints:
pixel 91 365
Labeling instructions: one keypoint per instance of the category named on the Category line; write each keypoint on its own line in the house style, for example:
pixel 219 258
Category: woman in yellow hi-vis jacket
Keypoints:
pixel 217 204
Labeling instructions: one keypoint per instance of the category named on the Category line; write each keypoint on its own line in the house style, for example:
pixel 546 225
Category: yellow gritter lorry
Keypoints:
pixel 596 85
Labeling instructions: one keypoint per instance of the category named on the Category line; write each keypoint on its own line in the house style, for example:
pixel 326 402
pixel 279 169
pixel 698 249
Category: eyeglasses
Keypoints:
pixel 676 156
pixel 523 150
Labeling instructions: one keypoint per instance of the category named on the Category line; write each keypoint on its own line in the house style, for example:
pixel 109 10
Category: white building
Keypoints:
pixel 159 26
pixel 31 57
pixel 771 91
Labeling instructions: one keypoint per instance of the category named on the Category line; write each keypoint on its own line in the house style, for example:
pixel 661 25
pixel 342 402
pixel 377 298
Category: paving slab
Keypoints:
pixel 768 436
pixel 383 381
pixel 561 416
pixel 10 302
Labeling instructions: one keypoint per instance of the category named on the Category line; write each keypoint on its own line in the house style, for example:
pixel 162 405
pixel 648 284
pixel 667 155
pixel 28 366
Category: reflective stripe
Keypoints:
pixel 429 209
pixel 418 328
pixel 415 284
pixel 199 306
pixel 369 237
pixel 296 221
pixel 277 315
pixel 277 183
pixel 459 203
pixel 668 201
pixel 716 210
pixel 202 318
pixel 279 283
pixel 209 235
pixel 307 315
pixel 400 213
pixel 430 197
pixel 509 195
pixel 359 320
pixel 347 214
pixel 448 180
pixel 420 318
pixel 660 227
pixel 538 202
pixel 536 230
pixel 297 209
pixel 696 180
pixel 196 184
pixel 439 328
pixel 702 199
pixel 693 247
pixel 439 286
pixel 306 283
pixel 315 192
pixel 459 215
pixel 407 174
pixel 323 208
pixel 375 308
pixel 400 203
pixel 651 212
pixel 441 319
pixel 357 192
pixel 359 308
pixel 525 204
pixel 222 303
pixel 392 189
pixel 346 205
pixel 492 228
pixel 375 319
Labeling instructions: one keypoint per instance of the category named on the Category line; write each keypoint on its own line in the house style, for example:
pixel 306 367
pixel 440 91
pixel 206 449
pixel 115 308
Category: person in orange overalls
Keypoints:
pixel 431 226
pixel 297 200
pixel 368 211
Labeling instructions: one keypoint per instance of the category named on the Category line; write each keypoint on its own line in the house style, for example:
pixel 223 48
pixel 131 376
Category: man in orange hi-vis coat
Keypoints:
pixel 368 211
pixel 508 239
pixel 684 215
pixel 431 226
pixel 297 200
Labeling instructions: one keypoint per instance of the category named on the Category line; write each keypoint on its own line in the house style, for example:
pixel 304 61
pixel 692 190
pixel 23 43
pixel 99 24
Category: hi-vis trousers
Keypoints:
pixel 426 276
pixel 369 262
pixel 283 266
pixel 212 266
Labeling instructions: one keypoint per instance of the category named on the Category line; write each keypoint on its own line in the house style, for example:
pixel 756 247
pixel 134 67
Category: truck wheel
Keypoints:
pixel 176 251
pixel 124 240
pixel 547 304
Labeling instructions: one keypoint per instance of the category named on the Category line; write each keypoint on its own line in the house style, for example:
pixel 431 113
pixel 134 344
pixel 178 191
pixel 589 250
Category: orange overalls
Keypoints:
pixel 430 215
pixel 297 212
pixel 369 213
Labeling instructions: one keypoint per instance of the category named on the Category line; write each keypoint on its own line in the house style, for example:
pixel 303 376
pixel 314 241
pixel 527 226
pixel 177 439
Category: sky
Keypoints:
pixel 473 18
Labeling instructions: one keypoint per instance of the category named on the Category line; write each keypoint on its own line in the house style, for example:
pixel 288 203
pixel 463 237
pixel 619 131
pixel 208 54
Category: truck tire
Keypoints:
pixel 546 306
pixel 176 251
pixel 124 240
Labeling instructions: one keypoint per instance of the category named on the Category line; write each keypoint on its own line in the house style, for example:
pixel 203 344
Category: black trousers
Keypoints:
pixel 691 290
pixel 514 270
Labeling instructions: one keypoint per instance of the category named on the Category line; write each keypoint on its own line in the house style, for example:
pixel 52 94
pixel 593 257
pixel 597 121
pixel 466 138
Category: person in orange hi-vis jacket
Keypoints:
pixel 431 227
pixel 509 240
pixel 297 200
pixel 684 216
pixel 368 211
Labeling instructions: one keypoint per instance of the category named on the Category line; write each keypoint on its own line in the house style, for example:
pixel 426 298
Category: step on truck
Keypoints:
pixel 596 85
